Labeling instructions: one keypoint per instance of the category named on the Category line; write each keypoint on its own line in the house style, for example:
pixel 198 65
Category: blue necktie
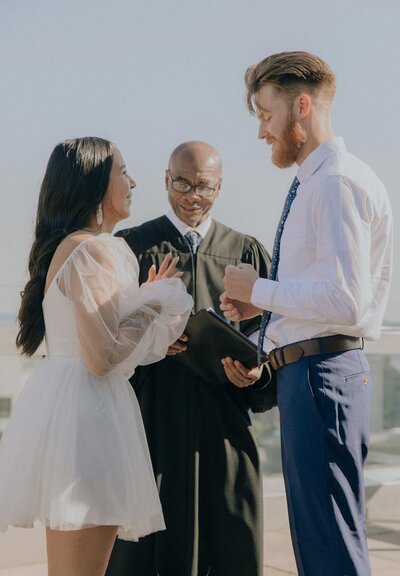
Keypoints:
pixel 193 239
pixel 273 272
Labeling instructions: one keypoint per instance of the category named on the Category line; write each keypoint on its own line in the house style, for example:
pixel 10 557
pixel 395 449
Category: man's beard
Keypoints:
pixel 288 145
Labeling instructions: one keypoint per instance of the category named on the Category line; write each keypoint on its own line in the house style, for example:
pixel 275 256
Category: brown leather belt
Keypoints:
pixel 290 353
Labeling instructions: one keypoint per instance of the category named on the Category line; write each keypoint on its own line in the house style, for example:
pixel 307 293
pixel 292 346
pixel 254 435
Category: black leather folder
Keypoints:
pixel 211 338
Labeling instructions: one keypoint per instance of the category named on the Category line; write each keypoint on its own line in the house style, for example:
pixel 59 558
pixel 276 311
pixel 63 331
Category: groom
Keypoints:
pixel 326 291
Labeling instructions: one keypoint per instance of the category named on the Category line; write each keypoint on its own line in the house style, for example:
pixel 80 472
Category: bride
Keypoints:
pixel 74 455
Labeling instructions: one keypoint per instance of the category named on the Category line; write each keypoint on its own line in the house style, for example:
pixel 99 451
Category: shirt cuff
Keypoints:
pixel 262 293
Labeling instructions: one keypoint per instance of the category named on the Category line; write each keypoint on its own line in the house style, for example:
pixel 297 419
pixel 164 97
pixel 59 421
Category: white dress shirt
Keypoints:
pixel 336 252
pixel 183 228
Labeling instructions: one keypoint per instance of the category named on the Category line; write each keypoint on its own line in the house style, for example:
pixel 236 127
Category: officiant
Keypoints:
pixel 199 432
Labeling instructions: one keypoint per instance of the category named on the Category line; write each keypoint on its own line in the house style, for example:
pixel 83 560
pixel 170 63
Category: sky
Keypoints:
pixel 149 75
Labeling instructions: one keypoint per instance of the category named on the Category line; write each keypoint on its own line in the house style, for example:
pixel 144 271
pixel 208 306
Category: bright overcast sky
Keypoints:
pixel 149 74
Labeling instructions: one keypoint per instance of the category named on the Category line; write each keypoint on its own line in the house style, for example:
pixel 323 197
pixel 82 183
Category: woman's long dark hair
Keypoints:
pixel 74 184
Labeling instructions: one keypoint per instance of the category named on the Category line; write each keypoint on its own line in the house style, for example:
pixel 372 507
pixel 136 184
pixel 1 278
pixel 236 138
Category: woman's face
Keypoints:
pixel 117 200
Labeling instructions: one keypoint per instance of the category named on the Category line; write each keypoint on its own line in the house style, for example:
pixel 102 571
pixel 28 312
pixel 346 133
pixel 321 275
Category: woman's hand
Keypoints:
pixel 166 270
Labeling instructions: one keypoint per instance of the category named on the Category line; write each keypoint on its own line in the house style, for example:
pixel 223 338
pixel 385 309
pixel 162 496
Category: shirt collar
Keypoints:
pixel 317 157
pixel 183 228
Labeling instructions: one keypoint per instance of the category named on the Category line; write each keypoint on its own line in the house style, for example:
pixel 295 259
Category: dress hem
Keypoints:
pixel 123 533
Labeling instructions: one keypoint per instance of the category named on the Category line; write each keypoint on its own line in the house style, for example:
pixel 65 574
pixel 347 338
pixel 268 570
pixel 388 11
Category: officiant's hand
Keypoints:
pixel 238 374
pixel 178 346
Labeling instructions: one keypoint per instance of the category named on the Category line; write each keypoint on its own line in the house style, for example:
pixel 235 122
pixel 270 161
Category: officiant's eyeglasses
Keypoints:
pixel 184 187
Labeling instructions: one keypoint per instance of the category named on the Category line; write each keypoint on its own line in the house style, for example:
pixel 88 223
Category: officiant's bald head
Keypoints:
pixel 193 181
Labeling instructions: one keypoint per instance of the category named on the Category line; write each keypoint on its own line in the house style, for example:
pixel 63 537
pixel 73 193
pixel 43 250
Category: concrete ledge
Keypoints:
pixel 382 494
pixel 383 502
pixel 31 570
pixel 22 547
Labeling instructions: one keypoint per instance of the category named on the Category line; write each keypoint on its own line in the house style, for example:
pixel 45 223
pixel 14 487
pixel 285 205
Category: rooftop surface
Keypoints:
pixel 22 552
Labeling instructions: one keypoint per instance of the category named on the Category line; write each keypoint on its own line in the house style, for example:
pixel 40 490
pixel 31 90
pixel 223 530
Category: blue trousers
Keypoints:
pixel 324 403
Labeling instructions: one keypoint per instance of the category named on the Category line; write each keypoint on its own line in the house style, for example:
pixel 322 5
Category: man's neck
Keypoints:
pixel 314 140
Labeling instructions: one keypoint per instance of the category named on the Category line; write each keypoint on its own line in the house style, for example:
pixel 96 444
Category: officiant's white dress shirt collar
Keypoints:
pixel 183 228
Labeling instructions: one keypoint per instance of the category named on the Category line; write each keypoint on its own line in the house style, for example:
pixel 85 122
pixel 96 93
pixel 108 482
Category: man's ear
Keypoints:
pixel 302 105
pixel 166 179
pixel 218 188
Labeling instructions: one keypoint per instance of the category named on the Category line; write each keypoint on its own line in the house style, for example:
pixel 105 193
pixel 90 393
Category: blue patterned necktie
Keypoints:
pixel 193 239
pixel 273 272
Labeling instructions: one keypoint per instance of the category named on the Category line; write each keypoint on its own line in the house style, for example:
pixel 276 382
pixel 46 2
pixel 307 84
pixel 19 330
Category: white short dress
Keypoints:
pixel 74 453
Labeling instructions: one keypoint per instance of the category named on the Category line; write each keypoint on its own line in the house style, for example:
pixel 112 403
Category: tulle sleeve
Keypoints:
pixel 120 325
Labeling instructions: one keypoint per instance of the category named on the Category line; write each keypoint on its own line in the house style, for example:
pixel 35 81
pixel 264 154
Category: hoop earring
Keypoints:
pixel 99 215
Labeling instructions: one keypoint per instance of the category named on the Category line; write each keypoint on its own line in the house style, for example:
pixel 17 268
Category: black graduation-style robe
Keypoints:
pixel 199 432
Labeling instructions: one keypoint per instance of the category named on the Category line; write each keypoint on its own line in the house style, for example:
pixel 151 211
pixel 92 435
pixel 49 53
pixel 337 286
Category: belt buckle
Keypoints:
pixel 280 357
pixel 272 360
pixel 276 359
